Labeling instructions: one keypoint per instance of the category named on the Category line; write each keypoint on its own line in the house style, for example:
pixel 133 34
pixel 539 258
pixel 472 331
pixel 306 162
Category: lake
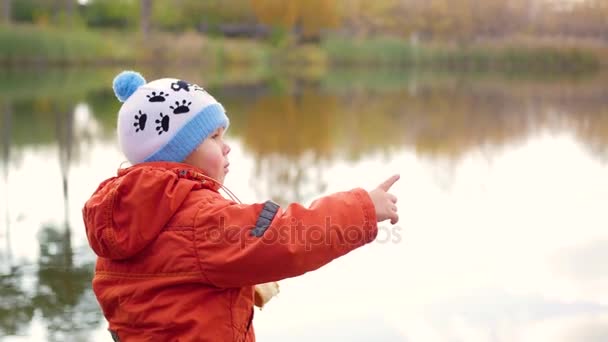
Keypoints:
pixel 503 231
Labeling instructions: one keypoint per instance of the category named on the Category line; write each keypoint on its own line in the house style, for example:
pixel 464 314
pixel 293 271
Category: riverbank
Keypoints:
pixel 31 45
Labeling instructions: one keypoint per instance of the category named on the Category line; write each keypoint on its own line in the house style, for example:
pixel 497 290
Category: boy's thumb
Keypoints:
pixel 386 185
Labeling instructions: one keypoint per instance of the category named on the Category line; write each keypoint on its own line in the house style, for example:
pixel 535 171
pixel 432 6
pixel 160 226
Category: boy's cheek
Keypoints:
pixel 215 160
pixel 216 164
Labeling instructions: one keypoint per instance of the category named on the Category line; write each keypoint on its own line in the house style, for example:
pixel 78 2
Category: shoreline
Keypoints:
pixel 31 46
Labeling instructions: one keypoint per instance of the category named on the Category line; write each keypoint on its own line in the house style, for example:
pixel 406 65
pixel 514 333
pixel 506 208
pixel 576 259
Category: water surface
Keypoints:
pixel 503 231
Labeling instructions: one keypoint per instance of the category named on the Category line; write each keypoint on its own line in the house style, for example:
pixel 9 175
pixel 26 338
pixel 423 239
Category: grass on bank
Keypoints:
pixel 508 56
pixel 32 45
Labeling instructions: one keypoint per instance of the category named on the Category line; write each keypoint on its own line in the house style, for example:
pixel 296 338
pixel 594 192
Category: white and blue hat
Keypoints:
pixel 164 120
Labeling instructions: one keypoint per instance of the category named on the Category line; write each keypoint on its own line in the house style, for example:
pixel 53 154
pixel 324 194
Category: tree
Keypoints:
pixel 208 15
pixel 145 14
pixel 310 17
pixel 6 11
pixel 111 13
pixel 69 12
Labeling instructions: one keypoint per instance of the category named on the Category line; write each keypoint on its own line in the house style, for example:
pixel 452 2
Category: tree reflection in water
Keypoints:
pixel 63 291
pixel 6 130
pixel 289 134
pixel 295 132
pixel 16 306
pixel 59 287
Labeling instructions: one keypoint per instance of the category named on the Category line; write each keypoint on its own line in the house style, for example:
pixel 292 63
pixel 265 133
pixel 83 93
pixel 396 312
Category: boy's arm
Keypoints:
pixel 239 245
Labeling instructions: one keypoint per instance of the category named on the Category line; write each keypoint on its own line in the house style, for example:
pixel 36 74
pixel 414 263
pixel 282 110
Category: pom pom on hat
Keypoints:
pixel 126 83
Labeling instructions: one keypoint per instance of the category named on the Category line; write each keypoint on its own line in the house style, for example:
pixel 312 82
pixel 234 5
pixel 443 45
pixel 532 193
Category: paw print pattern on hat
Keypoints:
pixel 140 121
pixel 161 97
pixel 180 125
pixel 181 108
pixel 163 124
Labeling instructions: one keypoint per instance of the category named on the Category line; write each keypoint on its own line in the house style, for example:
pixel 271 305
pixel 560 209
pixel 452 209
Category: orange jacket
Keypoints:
pixel 177 261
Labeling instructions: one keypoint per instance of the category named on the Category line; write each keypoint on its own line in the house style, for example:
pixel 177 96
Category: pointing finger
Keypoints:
pixel 386 185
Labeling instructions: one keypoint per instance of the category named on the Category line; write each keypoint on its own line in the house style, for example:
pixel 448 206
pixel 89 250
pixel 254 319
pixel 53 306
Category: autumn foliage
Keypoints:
pixel 454 20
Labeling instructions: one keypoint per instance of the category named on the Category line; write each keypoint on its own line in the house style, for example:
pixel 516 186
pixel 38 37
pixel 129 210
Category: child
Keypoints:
pixel 176 260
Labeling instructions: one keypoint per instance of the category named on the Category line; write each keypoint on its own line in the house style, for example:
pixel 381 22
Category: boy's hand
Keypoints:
pixel 385 203
pixel 264 293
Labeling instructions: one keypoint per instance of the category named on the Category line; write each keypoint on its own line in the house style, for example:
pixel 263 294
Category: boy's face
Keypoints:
pixel 212 156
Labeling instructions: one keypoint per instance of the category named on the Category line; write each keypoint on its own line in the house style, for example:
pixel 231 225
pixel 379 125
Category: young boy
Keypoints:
pixel 176 260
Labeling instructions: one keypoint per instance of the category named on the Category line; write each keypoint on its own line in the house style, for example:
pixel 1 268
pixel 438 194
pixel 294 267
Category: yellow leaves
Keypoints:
pixel 276 12
pixel 437 18
pixel 311 15
pixel 318 14
pixel 385 15
pixel 295 123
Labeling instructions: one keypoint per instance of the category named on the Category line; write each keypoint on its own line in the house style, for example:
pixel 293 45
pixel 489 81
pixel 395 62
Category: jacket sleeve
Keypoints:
pixel 239 245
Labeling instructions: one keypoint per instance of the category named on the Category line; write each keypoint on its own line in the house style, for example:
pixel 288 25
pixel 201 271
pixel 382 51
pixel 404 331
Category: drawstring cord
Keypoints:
pixel 226 190
pixel 231 194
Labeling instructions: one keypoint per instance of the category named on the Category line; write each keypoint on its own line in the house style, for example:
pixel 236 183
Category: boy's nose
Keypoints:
pixel 226 149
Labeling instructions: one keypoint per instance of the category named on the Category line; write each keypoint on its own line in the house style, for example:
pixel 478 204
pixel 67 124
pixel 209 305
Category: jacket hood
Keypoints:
pixel 127 212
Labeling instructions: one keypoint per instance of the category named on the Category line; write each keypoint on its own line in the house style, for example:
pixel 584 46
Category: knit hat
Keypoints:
pixel 163 120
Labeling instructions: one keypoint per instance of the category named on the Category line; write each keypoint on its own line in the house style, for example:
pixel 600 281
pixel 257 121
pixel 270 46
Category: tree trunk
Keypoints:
pixel 6 11
pixel 6 129
pixel 146 12
pixel 65 140
pixel 69 12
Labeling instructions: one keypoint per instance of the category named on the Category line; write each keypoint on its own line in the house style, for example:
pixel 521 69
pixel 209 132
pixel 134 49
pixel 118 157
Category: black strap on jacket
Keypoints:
pixel 268 213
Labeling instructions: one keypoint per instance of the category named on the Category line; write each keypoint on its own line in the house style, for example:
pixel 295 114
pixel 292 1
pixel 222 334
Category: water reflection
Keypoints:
pixel 502 201
pixel 16 307
pixel 57 287
pixel 7 118
pixel 584 265
pixel 63 291
pixel 295 150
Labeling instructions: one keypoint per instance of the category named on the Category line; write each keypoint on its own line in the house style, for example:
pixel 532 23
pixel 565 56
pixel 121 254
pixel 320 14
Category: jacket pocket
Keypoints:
pixel 242 314
pixel 249 323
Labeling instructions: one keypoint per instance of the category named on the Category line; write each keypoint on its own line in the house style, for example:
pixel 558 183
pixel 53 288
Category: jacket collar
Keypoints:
pixel 182 170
